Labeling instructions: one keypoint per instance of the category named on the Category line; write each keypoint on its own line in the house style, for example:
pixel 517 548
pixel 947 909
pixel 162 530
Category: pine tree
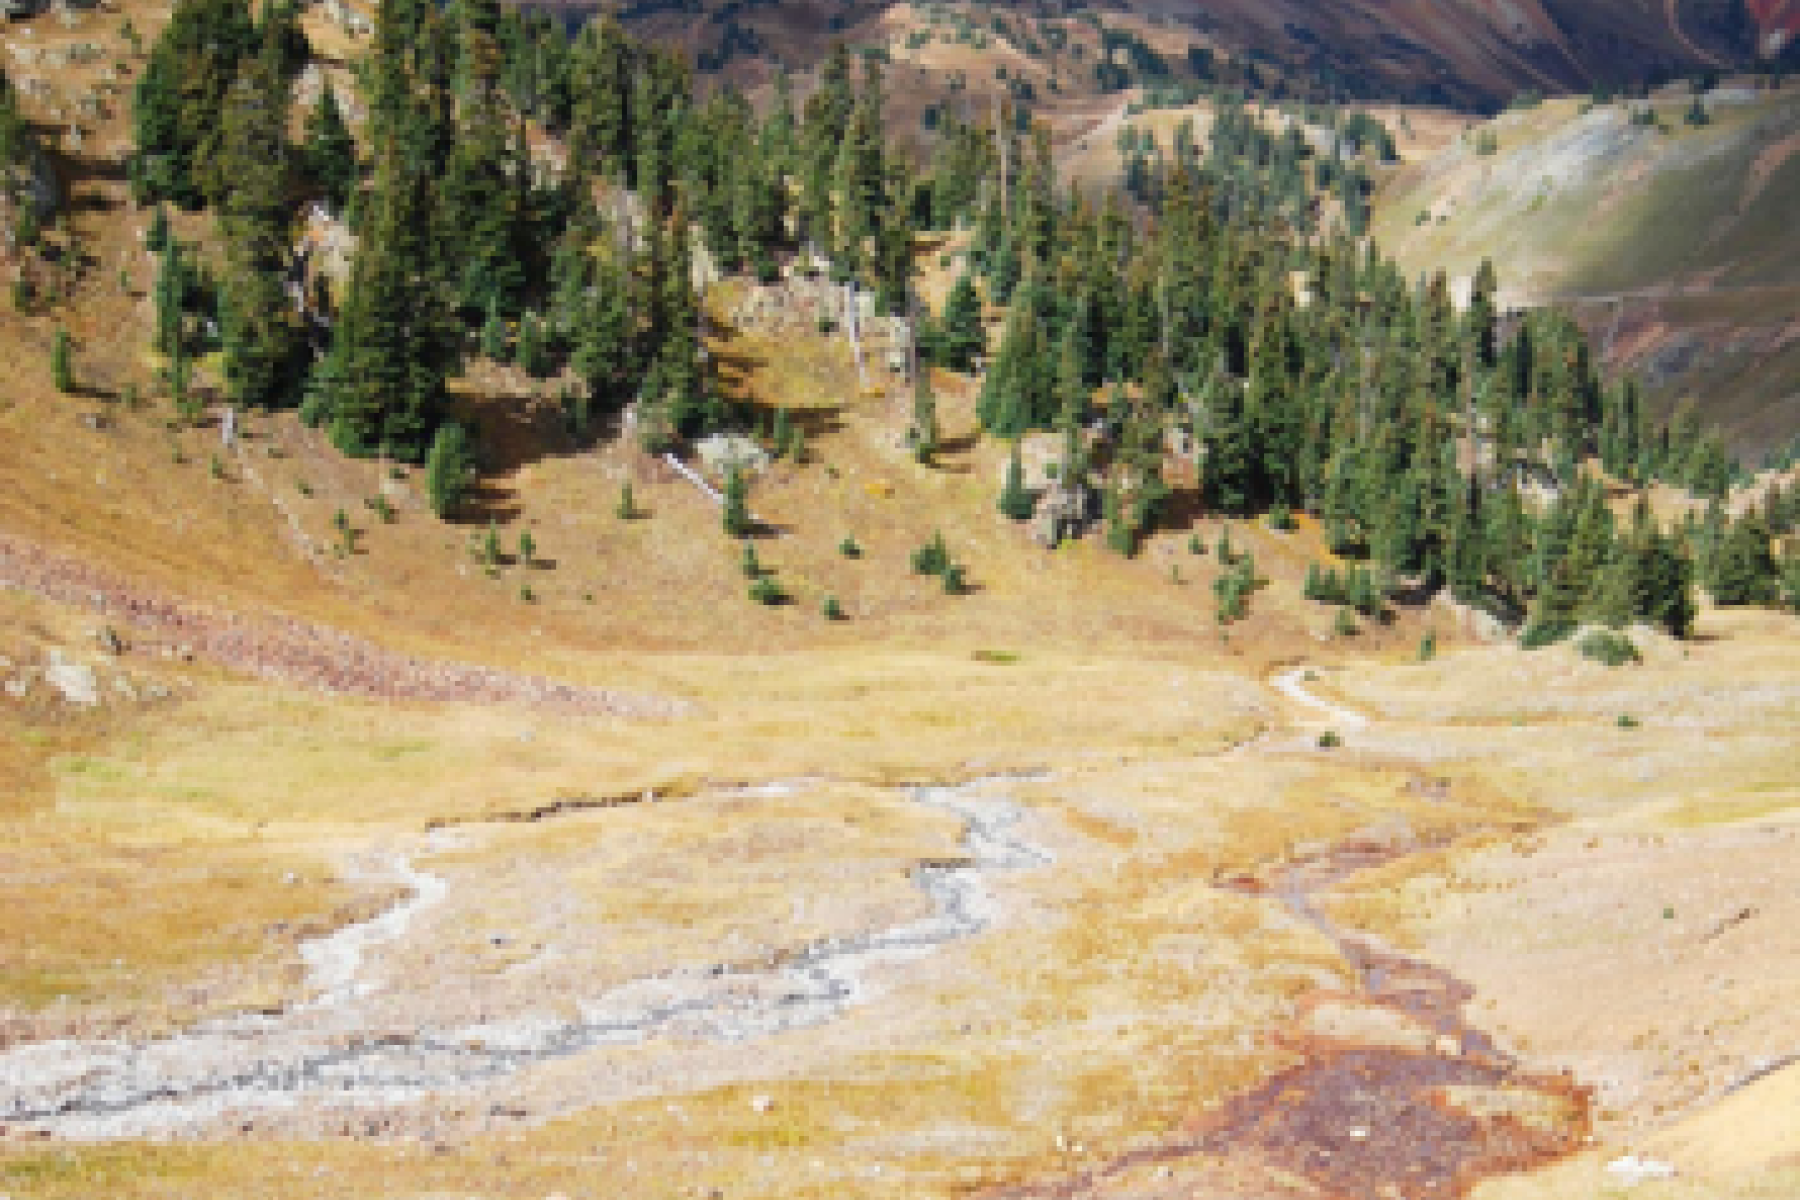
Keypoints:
pixel 396 341
pixel 493 334
pixel 330 151
pixel 1744 571
pixel 922 435
pixel 448 469
pixel 961 335
pixel 1228 481
pixel 603 335
pixel 169 292
pixel 1790 580
pixel 599 125
pixel 266 347
pixel 1663 576
pixel 736 514
pixel 179 101
pixel 780 432
pixel 1016 501
pixel 62 366
pixel 533 354
pixel 156 237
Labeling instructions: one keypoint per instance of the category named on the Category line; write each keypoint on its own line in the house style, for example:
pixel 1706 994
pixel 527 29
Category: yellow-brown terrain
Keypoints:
pixel 342 865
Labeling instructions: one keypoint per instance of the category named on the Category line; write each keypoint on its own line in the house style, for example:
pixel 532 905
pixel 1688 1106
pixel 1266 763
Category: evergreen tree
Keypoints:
pixel 62 366
pixel 330 151
pixel 396 342
pixel 266 346
pixel 1016 501
pixel 1664 578
pixel 1744 571
pixel 449 468
pixel 493 334
pixel 961 335
pixel 1228 481
pixel 179 101
pixel 736 515
pixel 922 435
pixel 533 355
pixel 156 237
pixel 168 296
pixel 603 355
pixel 1790 580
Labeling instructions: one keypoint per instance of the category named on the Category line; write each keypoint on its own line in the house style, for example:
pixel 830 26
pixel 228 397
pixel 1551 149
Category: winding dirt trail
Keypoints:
pixel 1292 684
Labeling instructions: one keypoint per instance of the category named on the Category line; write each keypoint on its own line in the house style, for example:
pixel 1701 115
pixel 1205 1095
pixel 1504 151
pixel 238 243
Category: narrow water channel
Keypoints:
pixel 327 1048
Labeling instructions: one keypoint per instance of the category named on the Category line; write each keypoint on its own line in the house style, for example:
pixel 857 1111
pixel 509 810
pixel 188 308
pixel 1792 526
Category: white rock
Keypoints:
pixel 1632 1170
pixel 75 681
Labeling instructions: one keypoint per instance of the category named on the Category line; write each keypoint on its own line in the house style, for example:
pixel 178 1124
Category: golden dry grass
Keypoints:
pixel 150 850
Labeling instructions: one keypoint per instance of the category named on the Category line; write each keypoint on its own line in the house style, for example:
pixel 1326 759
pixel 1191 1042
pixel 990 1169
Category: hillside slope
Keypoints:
pixel 1468 53
pixel 1675 244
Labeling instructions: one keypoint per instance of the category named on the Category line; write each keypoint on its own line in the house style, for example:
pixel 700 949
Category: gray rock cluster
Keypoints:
pixel 60 677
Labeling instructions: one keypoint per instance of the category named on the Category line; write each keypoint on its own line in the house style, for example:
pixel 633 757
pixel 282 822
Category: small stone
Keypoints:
pixel 76 682
pixel 761 1103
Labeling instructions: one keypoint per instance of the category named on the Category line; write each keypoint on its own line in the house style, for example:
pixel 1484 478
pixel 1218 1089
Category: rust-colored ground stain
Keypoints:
pixel 1366 1121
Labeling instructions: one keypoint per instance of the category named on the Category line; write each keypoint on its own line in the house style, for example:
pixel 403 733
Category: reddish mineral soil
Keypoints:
pixel 1366 1120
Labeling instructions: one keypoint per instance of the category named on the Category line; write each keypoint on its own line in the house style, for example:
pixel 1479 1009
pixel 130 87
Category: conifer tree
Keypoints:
pixel 179 101
pixel 493 333
pixel 62 365
pixel 1790 580
pixel 1663 576
pixel 266 348
pixel 330 151
pixel 1743 570
pixel 1016 501
pixel 448 468
pixel 922 435
pixel 736 513
pixel 533 354
pixel 599 124
pixel 603 336
pixel 1229 474
pixel 168 296
pixel 156 236
pixel 395 343
pixel 960 334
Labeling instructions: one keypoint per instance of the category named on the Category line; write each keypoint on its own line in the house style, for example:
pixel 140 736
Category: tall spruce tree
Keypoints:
pixel 960 333
pixel 396 342
pixel 266 346
pixel 330 151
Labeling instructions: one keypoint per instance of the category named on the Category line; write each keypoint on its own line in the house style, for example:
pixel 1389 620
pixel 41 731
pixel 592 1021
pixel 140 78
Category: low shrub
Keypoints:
pixel 1612 649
